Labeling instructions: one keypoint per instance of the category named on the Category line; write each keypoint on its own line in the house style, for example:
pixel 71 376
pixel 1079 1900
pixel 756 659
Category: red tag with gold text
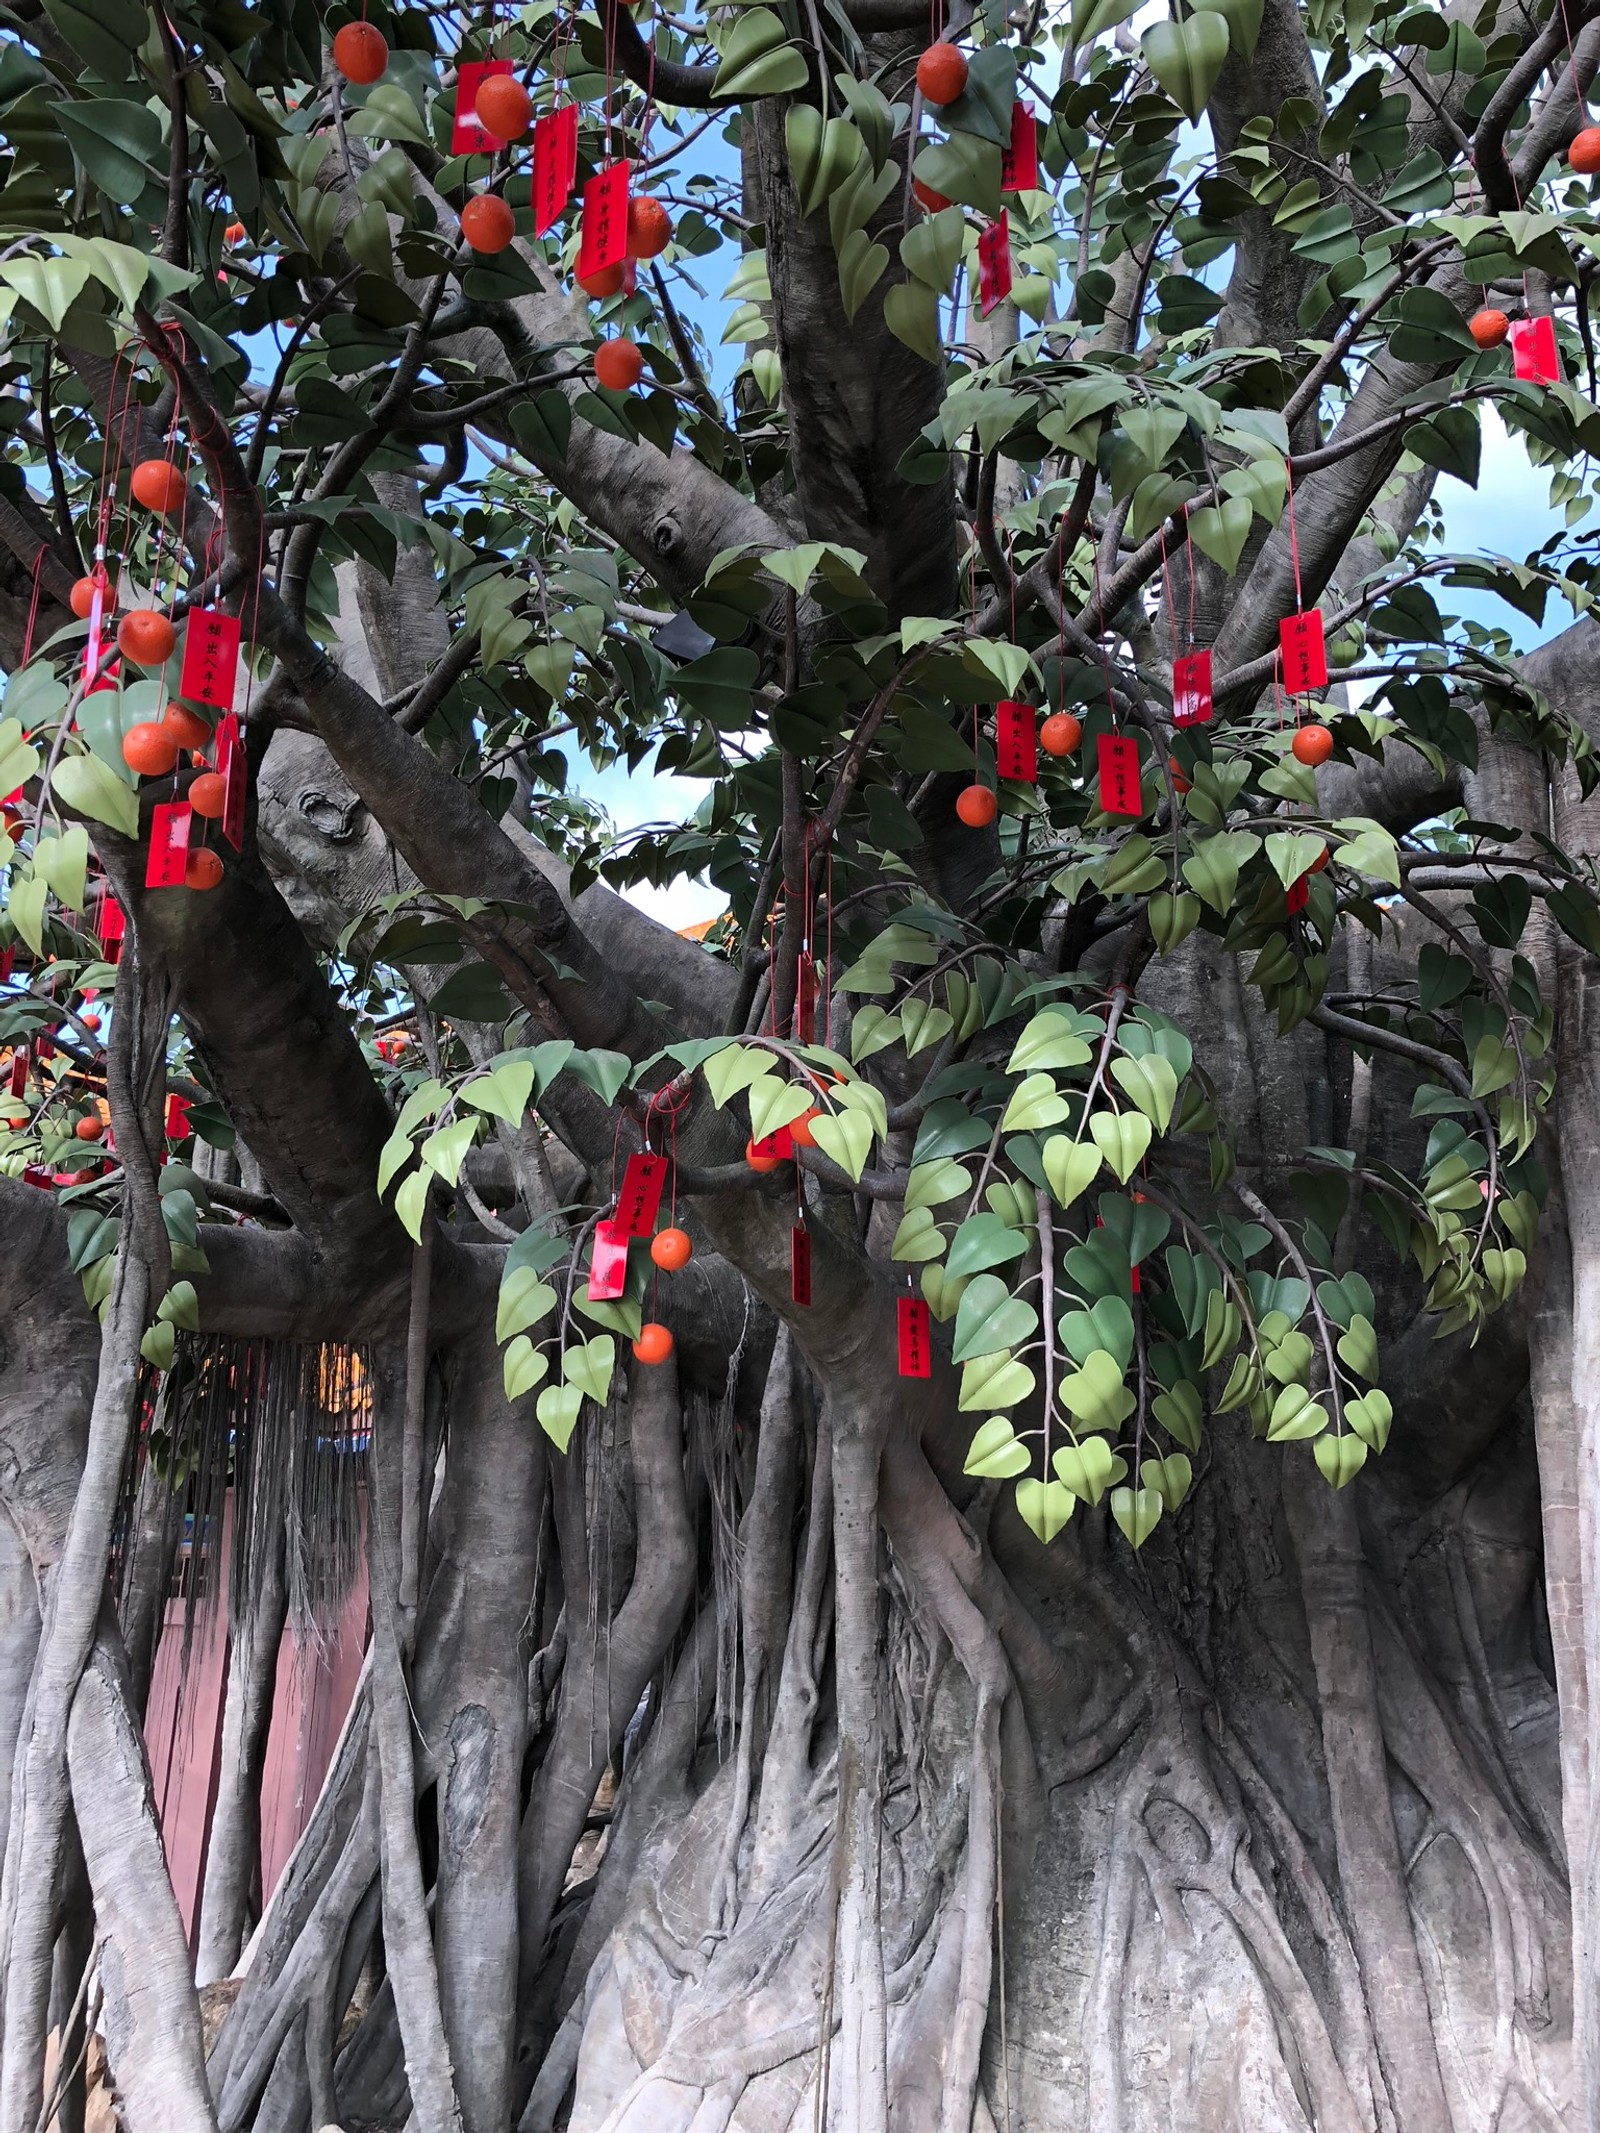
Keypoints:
pixel 1118 759
pixel 642 1179
pixel 1016 742
pixel 1305 663
pixel 555 164
pixel 608 1264
pixel 169 845
pixel 800 1264
pixel 1191 689
pixel 603 232
pixel 1019 164
pixel 911 1324
pixel 232 768
pixel 1533 351
pixel 210 658
pixel 994 265
pixel 467 137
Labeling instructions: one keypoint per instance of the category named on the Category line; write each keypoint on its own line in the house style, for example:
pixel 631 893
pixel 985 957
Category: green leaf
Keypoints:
pixel 989 1318
pixel 1370 1418
pixel 1359 1347
pixel 589 1367
pixel 117 142
pixel 873 1029
pixel 1034 1104
pixel 445 1151
pixel 1243 18
pixel 557 1410
pixel 1088 1469
pixel 943 1294
pixel 984 1241
pixel 90 787
pixel 1340 1458
pixel 1372 852
pixel 1180 1413
pixel 994 1381
pixel 524 1300
pixel 410 1201
pixel 181 1307
pixel 1070 1167
pixel 847 1137
pixel 963 168
pixel 1223 1326
pixel 503 1092
pixel 918 1236
pixel 932 1184
pixel 996 1452
pixel 861 266
pixel 1151 1084
pixel 1044 1508
pixel 758 60
pixel 1138 1511
pixel 1295 1416
pixel 523 1365
pixel 1092 18
pixel 1186 58
pixel 1170 1478
pixel 729 1071
pixel 1124 1141
pixel 1095 1395
pixel 775 1103
pixel 911 314
pixel 1049 1040
pixel 158 1344
pixel 932 250
pixel 1107 1324
pixel 604 1072
pixel 1221 530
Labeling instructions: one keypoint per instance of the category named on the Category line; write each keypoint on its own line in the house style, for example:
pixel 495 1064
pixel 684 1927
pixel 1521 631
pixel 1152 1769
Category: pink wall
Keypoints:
pixel 183 1731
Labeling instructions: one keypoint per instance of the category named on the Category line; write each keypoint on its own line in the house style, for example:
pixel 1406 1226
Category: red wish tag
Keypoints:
pixel 210 658
pixel 169 845
pixel 1019 164
pixel 603 231
pixel 1016 742
pixel 1533 351
pixel 232 768
pixel 1296 895
pixel 911 1323
pixel 994 265
pixel 1118 757
pixel 555 164
pixel 467 137
pixel 608 1263
pixel 777 1146
pixel 800 1264
pixel 177 1126
pixel 110 925
pixel 19 1070
pixel 642 1179
pixel 1305 663
pixel 1191 689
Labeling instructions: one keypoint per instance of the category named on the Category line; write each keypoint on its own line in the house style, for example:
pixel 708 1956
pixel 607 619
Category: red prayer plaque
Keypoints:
pixel 110 925
pixel 233 768
pixel 210 658
pixel 911 1325
pixel 603 232
pixel 169 845
pixel 994 265
pixel 555 164
pixel 642 1179
pixel 1016 742
pixel 44 1048
pixel 467 137
pixel 19 1070
pixel 1296 895
pixel 800 1264
pixel 608 1263
pixel 1191 689
pixel 779 1144
pixel 7 957
pixel 1019 164
pixel 1533 351
pixel 1118 758
pixel 177 1121
pixel 1305 663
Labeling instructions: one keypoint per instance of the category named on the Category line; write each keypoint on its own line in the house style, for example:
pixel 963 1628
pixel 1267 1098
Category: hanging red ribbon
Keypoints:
pixel 555 165
pixel 169 845
pixel 233 769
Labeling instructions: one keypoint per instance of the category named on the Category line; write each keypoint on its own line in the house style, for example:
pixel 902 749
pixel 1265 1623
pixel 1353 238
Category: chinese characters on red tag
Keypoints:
pixel 603 232
pixel 642 1179
pixel 1305 663
pixel 169 845
pixel 1019 164
pixel 911 1322
pixel 1118 759
pixel 994 265
pixel 1016 742
pixel 608 1263
pixel 1191 689
pixel 555 164
pixel 1533 351
pixel 467 137
pixel 210 658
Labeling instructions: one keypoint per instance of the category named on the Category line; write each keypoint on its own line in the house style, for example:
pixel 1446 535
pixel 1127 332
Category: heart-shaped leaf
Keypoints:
pixel 734 1068
pixel 989 1317
pixel 1137 1512
pixel 1035 1103
pixel 1107 1324
pixel 1095 1396
pixel 1050 1040
pixel 1088 1469
pixel 1295 1415
pixel 932 1184
pixel 847 1137
pixel 589 1367
pixel 1180 1413
pixel 1069 1167
pixel 1186 58
pixel 918 1237
pixel 1123 1139
pixel 557 1410
pixel 1220 531
pixel 983 1241
pixel 775 1103
pixel 994 1381
pixel 1044 1507
pixel 1359 1347
pixel 1290 1360
pixel 943 1291
pixel 1170 1478
pixel 1370 1418
pixel 1340 1458
pixel 1222 1329
pixel 873 1030
pixel 524 1300
pixel 997 1453
pixel 911 313
pixel 523 1365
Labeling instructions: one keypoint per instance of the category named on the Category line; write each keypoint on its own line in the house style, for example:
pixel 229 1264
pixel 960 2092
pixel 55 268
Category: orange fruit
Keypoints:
pixel 1060 733
pixel 89 1129
pixel 146 638
pixel 204 870
pixel 1584 154
pixel 187 727
pixel 158 485
pixel 671 1249
pixel 977 806
pixel 360 52
pixel 486 223
pixel 1312 745
pixel 82 598
pixel 649 227
pixel 504 107
pixel 654 1344
pixel 150 749
pixel 941 74
pixel 1319 862
pixel 1179 782
pixel 931 200
pixel 618 365
pixel 1489 328
pixel 762 1163
pixel 207 796
pixel 605 281
pixel 234 233
pixel 800 1129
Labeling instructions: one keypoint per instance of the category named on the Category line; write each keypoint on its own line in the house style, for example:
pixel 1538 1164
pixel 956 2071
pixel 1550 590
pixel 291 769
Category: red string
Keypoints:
pixel 33 606
pixel 1294 545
